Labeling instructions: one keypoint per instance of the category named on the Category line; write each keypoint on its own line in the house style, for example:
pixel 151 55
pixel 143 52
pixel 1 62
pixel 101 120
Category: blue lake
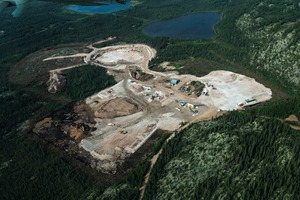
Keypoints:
pixel 101 9
pixel 185 27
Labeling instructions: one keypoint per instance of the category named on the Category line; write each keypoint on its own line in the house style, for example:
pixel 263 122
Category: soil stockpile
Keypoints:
pixel 118 107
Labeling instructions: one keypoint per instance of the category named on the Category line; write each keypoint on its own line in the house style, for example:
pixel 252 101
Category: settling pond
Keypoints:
pixel 185 27
pixel 101 9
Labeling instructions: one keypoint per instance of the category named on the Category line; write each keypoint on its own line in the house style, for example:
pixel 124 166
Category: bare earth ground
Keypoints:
pixel 32 67
pixel 167 66
pixel 293 118
pixel 123 126
pixel 295 127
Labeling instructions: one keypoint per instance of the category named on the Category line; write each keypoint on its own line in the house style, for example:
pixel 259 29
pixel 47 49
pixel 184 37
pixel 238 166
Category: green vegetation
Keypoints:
pixel 85 81
pixel 27 169
pixel 280 108
pixel 271 28
pixel 246 155
pixel 108 43
pixel 128 188
pixel 16 106
pixel 238 156
pixel 30 170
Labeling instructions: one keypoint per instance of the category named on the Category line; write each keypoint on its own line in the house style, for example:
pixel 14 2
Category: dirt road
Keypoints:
pixel 211 113
pixel 164 105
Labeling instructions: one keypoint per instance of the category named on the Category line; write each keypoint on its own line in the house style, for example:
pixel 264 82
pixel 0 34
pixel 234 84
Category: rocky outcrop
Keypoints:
pixel 56 82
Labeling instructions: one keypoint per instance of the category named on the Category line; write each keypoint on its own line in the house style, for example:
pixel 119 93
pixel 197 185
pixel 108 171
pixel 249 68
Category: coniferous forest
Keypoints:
pixel 251 154
pixel 238 156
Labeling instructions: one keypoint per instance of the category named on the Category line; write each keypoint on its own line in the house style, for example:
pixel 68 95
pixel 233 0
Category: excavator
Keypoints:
pixel 21 4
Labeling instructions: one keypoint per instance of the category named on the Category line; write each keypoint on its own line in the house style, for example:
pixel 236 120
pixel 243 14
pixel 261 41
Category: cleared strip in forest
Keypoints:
pixel 209 115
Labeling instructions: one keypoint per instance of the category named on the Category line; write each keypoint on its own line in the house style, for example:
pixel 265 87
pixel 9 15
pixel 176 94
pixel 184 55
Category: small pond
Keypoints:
pixel 185 27
pixel 100 9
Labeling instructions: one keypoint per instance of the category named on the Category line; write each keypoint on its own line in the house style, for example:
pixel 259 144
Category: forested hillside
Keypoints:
pixel 243 155
pixel 238 156
pixel 273 30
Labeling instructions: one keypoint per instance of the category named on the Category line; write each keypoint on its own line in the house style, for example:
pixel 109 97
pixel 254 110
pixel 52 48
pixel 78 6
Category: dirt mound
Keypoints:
pixel 76 133
pixel 292 118
pixel 138 74
pixel 118 107
pixel 167 66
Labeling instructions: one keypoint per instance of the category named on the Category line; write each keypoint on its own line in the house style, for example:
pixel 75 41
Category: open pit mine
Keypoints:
pixel 104 129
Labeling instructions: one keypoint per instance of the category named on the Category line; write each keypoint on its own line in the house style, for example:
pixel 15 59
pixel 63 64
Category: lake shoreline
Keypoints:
pixel 194 26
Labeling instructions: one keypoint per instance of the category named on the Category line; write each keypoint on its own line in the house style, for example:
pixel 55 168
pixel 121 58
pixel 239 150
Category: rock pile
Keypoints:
pixel 56 82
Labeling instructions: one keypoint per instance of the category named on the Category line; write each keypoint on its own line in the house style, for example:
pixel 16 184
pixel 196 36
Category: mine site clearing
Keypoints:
pixel 128 113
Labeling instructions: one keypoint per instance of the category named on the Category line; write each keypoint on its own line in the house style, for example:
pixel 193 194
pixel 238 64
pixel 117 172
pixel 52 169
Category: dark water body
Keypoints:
pixel 186 27
pixel 101 9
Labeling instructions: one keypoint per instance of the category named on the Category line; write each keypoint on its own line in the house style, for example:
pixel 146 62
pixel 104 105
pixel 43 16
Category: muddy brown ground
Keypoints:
pixel 117 107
